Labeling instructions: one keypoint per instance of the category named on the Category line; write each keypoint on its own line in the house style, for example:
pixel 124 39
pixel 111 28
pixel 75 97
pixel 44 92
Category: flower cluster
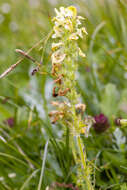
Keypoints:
pixel 63 111
pixel 67 30
pixel 69 111
pixel 67 20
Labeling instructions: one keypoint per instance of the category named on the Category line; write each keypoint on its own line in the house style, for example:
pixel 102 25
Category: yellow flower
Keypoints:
pixel 56 45
pixel 79 32
pixel 58 32
pixel 58 56
pixel 84 30
pixel 78 22
pixel 83 130
pixel 67 19
pixel 73 36
pixel 68 25
pixel 81 53
pixel 73 11
pixel 80 18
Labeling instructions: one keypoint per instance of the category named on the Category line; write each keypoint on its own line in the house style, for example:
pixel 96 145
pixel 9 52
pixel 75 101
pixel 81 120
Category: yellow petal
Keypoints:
pixel 56 45
pixel 81 53
pixel 58 56
pixel 73 37
pixel 79 32
pixel 80 17
pixel 84 30
pixel 74 11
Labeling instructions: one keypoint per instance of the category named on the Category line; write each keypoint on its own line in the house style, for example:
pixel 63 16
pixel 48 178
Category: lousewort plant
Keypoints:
pixel 68 109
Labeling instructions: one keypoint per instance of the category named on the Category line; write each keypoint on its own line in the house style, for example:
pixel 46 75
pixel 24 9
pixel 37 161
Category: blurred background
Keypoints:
pixel 24 99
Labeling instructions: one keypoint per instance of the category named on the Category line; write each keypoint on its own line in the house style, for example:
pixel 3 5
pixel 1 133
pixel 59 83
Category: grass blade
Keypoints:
pixel 43 165
pixel 28 179
pixel 12 157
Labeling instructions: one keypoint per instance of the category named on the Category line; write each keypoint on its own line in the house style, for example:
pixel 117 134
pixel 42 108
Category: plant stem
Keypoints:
pixel 84 164
pixel 64 64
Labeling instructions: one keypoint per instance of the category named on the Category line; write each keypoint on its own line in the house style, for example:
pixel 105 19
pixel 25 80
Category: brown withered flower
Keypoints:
pixel 55 69
pixel 63 111
pixel 55 92
pixel 59 80
pixel 61 105
pixel 55 103
pixel 56 115
pixel 63 92
pixel 80 108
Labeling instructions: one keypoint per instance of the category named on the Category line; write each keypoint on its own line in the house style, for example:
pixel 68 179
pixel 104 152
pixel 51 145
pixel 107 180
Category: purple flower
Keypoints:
pixel 101 123
pixel 9 122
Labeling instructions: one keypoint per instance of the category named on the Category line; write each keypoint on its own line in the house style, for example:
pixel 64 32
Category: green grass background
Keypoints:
pixel 102 82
